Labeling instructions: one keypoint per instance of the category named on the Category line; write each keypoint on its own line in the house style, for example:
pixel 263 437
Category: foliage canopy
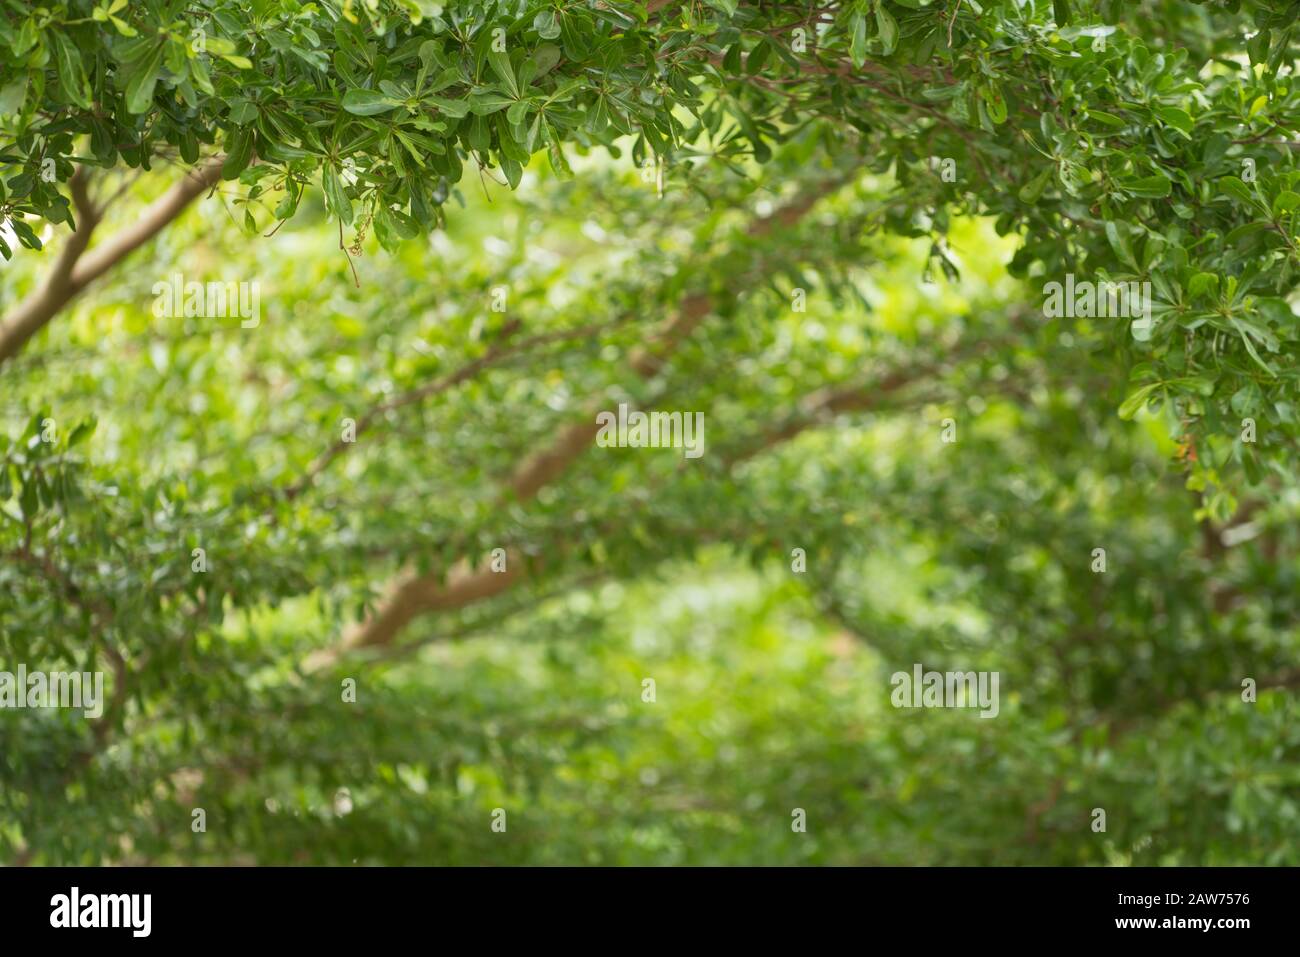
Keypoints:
pixel 650 185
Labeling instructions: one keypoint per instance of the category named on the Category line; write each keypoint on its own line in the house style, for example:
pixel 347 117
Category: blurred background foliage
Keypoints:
pixel 1119 690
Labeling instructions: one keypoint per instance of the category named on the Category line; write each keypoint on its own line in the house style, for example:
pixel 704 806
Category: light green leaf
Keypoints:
pixel 1203 283
pixel 1137 400
pixel 858 39
pixel 368 102
pixel 887 28
pixel 1285 201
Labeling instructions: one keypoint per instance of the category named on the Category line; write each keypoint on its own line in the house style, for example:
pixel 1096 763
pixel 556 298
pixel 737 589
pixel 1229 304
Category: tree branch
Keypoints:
pixel 413 595
pixel 499 353
pixel 76 267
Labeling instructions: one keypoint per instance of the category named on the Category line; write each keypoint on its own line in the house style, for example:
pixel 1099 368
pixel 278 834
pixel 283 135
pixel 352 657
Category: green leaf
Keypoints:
pixel 26 235
pixel 519 109
pixel 368 102
pixel 545 57
pixel 757 57
pixel 1108 119
pixel 335 194
pixel 1173 116
pixel 141 76
pixel 448 77
pixel 82 432
pixel 13 95
pixel 28 500
pixel 887 28
pixel 219 46
pixel 1136 400
pixel 725 6
pixel 858 39
pixel 1203 283
pixel 499 60
pixel 1148 187
pixel 1257 46
pixel 1118 238
pixel 731 59
pixel 481 104
pixel 1250 347
pixel 994 101
pixel 453 108
pixel 1246 229
pixel 546 24
pixel 1031 191
pixel 514 171
pixel 1284 202
pixel 72 74
pixel 239 150
pixel 1235 188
